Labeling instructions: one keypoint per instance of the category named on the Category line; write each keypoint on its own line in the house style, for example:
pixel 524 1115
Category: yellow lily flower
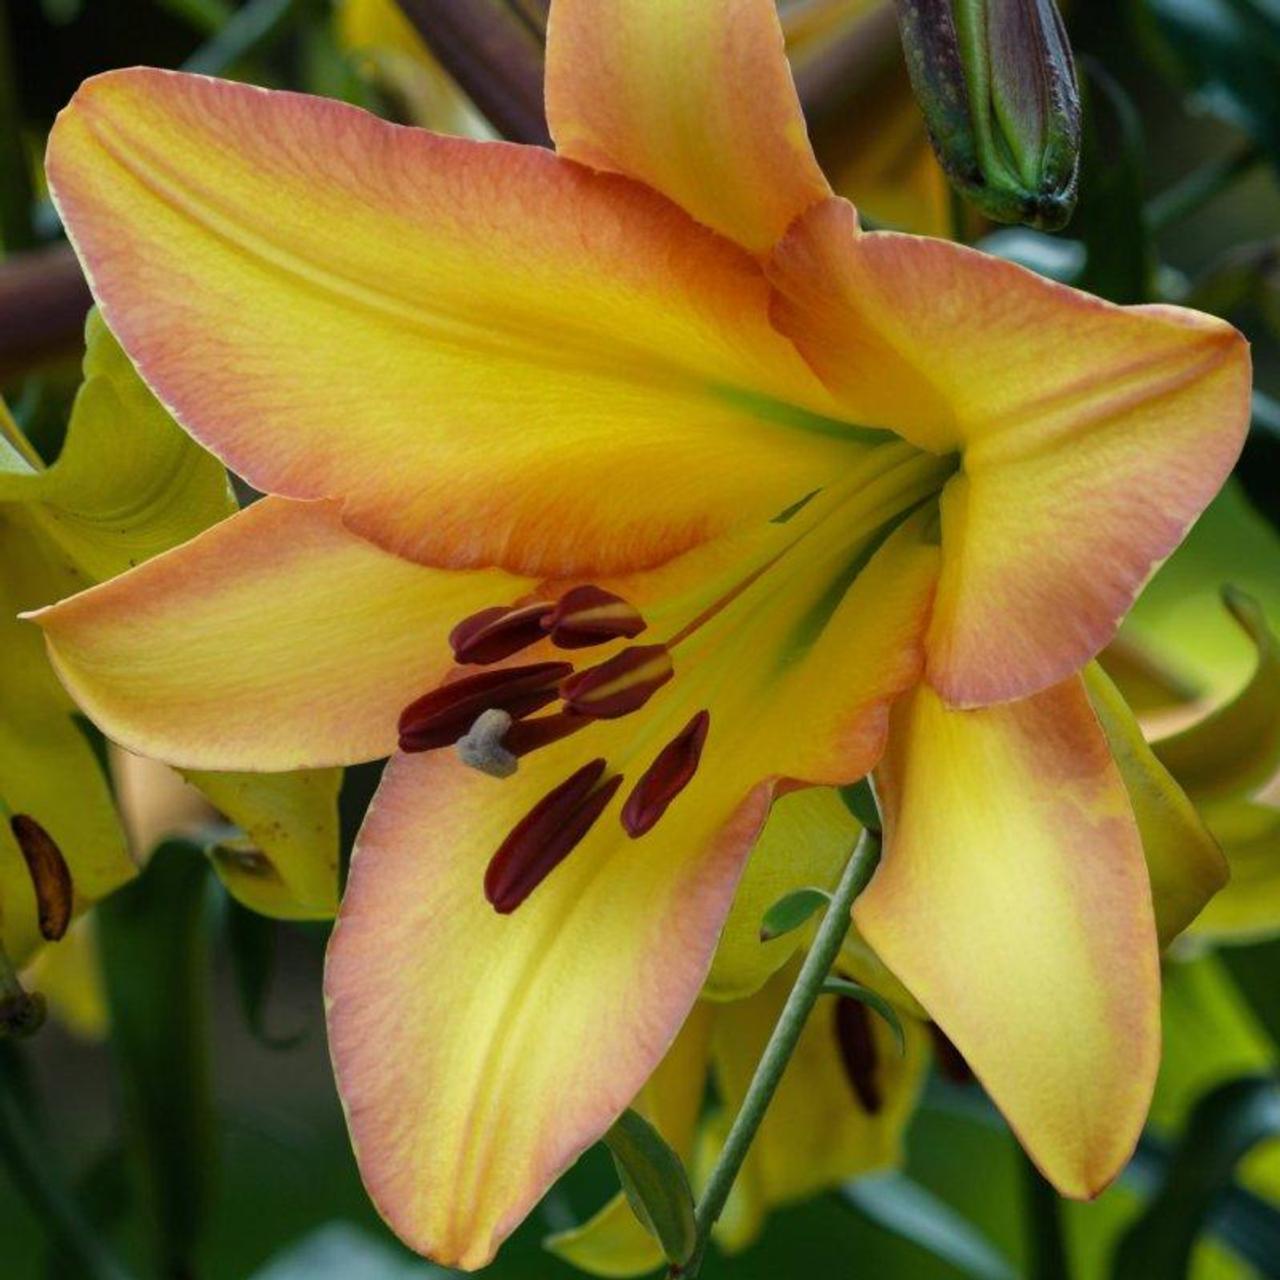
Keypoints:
pixel 875 499
pixel 62 528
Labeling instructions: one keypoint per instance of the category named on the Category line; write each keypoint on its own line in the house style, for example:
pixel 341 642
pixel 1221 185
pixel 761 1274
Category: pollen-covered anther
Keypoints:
pixel 858 1052
pixel 441 717
pixel 666 777
pixel 621 685
pixel 590 615
pixel 547 834
pixel 494 634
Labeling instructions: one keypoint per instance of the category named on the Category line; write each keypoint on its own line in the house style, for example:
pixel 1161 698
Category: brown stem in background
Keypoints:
pixel 43 301
pixel 491 48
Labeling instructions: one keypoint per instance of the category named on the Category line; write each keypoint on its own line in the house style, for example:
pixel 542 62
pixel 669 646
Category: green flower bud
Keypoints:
pixel 997 85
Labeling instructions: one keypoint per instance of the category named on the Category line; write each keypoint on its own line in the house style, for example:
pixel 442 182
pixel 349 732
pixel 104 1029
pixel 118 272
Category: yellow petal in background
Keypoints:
pixel 1248 909
pixel 1014 903
pixel 694 99
pixel 1184 861
pixel 806 842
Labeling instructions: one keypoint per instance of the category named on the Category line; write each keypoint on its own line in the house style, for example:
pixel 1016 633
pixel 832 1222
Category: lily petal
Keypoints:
pixel 48 769
pixel 695 100
pixel 468 1092
pixel 490 354
pixel 1091 435
pixel 1014 904
pixel 1235 750
pixel 1248 909
pixel 1184 861
pixel 196 657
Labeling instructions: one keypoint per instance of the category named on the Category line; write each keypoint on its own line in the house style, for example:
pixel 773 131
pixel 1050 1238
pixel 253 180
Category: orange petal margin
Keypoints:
pixel 1013 902
pixel 1091 435
pixel 276 640
pixel 490 354
pixel 694 99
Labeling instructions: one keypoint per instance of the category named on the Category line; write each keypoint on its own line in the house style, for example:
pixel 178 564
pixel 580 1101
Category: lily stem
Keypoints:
pixel 1200 186
pixel 25 1157
pixel 782 1043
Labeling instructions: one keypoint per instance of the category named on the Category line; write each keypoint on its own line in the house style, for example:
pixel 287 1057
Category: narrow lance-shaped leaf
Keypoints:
pixel 791 911
pixel 655 1183
pixel 873 1000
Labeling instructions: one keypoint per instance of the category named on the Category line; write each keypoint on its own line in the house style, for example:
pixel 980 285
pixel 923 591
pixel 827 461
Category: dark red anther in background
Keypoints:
pixel 858 1052
pixel 50 875
pixel 590 615
pixel 620 685
pixel 666 777
pixel 951 1061
pixel 497 633
pixel 442 716
pixel 546 835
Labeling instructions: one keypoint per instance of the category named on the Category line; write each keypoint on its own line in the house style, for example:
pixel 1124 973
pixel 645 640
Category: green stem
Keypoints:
pixel 24 1156
pixel 1199 187
pixel 782 1043
pixel 1046 1244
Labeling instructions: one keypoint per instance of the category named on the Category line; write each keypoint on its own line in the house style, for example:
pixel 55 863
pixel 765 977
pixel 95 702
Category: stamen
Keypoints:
pixel 529 735
pixel 442 716
pixel 666 777
pixel 50 875
pixel 590 615
pixel 621 685
pixel 482 746
pixel 546 835
pixel 497 633
pixel 858 1052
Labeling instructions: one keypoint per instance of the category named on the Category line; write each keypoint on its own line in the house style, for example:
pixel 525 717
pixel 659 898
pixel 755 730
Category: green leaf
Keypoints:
pixel 1225 1125
pixel 873 1000
pixel 791 911
pixel 655 1184
pixel 860 800
pixel 1111 218
pixel 1228 53
pixel 900 1205
pixel 153 940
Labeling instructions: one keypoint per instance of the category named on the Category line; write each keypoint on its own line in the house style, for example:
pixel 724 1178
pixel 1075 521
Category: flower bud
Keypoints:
pixel 997 85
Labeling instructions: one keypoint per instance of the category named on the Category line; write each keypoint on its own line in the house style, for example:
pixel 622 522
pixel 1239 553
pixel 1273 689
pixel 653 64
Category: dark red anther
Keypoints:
pixel 858 1052
pixel 546 835
pixel 951 1062
pixel 591 615
pixel 442 716
pixel 497 633
pixel 528 735
pixel 50 875
pixel 666 777
pixel 621 685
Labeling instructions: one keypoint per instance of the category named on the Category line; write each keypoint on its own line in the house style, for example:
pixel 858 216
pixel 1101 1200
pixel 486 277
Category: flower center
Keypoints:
pixel 492 714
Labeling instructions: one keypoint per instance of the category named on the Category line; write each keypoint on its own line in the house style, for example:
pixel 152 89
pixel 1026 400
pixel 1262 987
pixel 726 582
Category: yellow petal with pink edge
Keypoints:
pixel 695 100
pixel 1184 861
pixel 1013 901
pixel 276 640
pixel 613 1242
pixel 340 307
pixel 1091 435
